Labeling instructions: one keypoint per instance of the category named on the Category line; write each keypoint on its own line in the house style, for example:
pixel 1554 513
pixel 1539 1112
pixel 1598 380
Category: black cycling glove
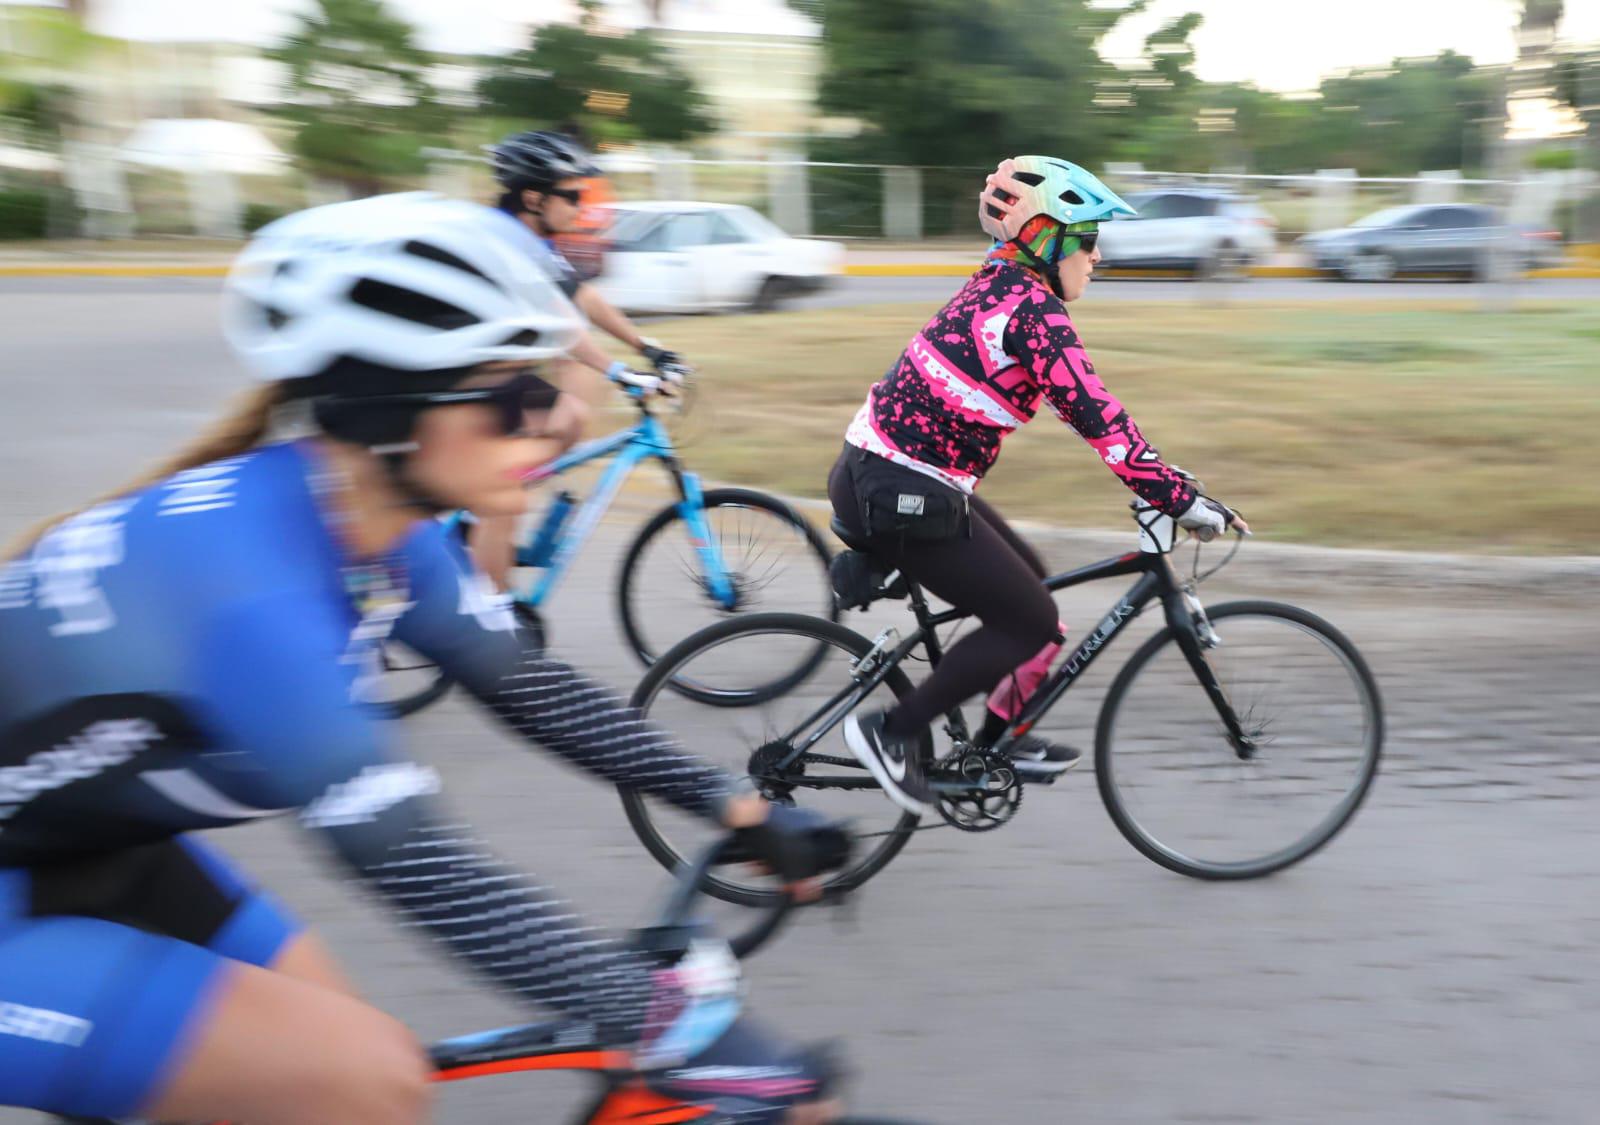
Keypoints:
pixel 795 843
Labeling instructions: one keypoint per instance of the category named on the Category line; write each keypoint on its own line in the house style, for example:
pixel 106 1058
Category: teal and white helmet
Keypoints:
pixel 1025 186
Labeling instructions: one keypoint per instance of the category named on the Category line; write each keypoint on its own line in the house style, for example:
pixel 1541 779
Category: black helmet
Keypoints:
pixel 540 160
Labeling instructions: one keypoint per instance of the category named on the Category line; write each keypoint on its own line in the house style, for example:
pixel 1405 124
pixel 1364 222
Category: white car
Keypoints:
pixel 1204 232
pixel 688 257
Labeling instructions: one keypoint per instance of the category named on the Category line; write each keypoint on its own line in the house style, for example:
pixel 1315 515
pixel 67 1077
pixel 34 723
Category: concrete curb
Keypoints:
pixel 962 269
pixel 862 269
pixel 1279 566
pixel 111 269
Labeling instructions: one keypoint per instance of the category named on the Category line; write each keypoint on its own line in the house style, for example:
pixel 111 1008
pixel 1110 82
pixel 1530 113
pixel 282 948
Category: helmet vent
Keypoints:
pixel 275 318
pixel 525 338
pixel 408 304
pixel 1070 196
pixel 994 212
pixel 1004 196
pixel 445 258
pixel 1032 179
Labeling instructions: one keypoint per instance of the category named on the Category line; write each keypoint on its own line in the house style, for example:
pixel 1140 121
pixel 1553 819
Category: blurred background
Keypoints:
pixel 159 118
pixel 1314 180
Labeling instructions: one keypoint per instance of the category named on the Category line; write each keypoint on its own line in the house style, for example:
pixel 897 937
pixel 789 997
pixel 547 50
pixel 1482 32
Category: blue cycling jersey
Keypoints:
pixel 186 657
pixel 190 657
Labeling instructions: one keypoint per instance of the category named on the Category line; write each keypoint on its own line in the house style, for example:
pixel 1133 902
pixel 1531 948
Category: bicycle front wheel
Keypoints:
pixel 1188 799
pixel 774 560
pixel 756 742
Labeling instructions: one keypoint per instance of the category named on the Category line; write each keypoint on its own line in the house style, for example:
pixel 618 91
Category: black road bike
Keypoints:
pixel 1235 741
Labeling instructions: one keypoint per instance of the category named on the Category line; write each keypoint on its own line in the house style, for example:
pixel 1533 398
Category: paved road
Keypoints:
pixel 879 290
pixel 1435 964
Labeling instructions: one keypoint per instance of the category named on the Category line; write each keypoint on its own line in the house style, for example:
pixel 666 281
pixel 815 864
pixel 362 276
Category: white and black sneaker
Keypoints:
pixel 1041 761
pixel 892 759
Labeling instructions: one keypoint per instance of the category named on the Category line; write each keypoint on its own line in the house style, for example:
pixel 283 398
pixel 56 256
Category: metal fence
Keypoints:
pixel 868 201
pixel 811 198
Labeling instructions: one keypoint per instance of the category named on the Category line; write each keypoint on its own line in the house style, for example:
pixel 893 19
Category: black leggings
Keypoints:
pixel 993 574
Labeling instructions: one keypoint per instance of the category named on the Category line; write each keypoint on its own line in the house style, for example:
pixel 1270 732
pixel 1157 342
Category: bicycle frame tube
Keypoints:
pixel 630 446
pixel 1155 581
pixel 588 451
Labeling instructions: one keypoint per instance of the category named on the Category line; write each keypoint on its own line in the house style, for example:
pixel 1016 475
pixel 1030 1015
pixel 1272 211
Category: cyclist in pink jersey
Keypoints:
pixel 932 427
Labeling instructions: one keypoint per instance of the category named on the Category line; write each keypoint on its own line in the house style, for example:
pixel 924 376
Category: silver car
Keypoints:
pixel 1464 239
pixel 1201 231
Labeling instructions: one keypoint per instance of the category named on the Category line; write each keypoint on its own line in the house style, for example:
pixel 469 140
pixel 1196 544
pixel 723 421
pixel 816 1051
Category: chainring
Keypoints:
pixel 995 792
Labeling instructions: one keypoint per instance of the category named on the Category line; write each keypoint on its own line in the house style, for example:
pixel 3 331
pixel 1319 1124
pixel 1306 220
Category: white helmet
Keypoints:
pixel 409 282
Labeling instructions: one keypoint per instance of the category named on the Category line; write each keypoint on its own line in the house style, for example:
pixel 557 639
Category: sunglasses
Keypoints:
pixel 571 195
pixel 510 399
pixel 1086 240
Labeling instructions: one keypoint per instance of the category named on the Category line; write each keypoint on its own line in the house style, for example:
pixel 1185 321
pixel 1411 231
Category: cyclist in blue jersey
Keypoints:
pixel 183 656
pixel 543 176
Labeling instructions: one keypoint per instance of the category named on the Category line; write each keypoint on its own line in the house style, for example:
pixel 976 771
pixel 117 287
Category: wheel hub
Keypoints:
pixel 774 782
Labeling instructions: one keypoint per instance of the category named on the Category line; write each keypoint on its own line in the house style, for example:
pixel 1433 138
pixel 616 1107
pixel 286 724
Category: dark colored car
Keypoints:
pixel 1465 239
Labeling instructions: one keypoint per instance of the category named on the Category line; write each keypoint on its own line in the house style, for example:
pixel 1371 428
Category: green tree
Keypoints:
pixel 1577 82
pixel 614 85
pixel 50 53
pixel 962 82
pixel 1412 115
pixel 359 95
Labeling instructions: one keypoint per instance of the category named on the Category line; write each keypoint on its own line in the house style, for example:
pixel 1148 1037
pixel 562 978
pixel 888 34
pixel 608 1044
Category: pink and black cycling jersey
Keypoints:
pixel 977 371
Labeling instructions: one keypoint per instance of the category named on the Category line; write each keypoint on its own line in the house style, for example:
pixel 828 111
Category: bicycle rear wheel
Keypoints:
pixel 410 681
pixel 1179 791
pixel 775 560
pixel 407 682
pixel 749 741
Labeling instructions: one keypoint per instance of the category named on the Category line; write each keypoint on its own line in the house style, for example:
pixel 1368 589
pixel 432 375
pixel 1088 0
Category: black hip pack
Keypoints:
pixel 903 503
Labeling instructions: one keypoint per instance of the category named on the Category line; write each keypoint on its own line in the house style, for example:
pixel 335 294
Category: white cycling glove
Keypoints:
pixel 623 375
pixel 1206 518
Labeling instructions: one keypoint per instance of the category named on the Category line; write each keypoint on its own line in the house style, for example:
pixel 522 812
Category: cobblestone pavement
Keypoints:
pixel 1434 964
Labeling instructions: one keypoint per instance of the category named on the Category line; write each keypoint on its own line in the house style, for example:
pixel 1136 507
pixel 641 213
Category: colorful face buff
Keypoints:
pixel 1037 243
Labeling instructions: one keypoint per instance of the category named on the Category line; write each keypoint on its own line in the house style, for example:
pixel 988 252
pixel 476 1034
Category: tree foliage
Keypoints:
pixel 953 82
pixel 625 85
pixel 1577 82
pixel 359 95
pixel 963 82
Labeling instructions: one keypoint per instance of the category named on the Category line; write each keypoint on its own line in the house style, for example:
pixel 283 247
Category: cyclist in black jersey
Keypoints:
pixel 185 654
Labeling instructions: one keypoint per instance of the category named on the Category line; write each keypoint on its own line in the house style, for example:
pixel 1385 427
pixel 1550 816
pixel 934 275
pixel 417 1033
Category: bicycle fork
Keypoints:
pixel 714 571
pixel 1196 637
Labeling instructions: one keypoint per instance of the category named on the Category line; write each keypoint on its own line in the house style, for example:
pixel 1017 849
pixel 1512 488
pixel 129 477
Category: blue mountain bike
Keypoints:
pixel 706 556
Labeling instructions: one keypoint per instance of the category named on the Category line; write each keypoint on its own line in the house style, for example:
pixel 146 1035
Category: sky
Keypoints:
pixel 1284 45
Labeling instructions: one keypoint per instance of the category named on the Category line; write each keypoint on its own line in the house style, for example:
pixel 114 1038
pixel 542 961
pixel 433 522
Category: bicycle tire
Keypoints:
pixel 412 702
pixel 530 622
pixel 827 632
pixel 629 583
pixel 1323 833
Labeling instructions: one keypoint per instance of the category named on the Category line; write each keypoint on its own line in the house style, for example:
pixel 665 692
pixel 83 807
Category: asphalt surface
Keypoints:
pixel 848 291
pixel 1435 963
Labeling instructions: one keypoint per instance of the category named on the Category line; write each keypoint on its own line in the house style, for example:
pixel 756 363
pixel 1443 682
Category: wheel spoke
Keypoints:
pixel 752 739
pixel 1179 792
pixel 771 563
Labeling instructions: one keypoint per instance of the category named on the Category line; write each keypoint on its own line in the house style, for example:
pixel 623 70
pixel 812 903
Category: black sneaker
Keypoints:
pixel 1038 760
pixel 892 760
